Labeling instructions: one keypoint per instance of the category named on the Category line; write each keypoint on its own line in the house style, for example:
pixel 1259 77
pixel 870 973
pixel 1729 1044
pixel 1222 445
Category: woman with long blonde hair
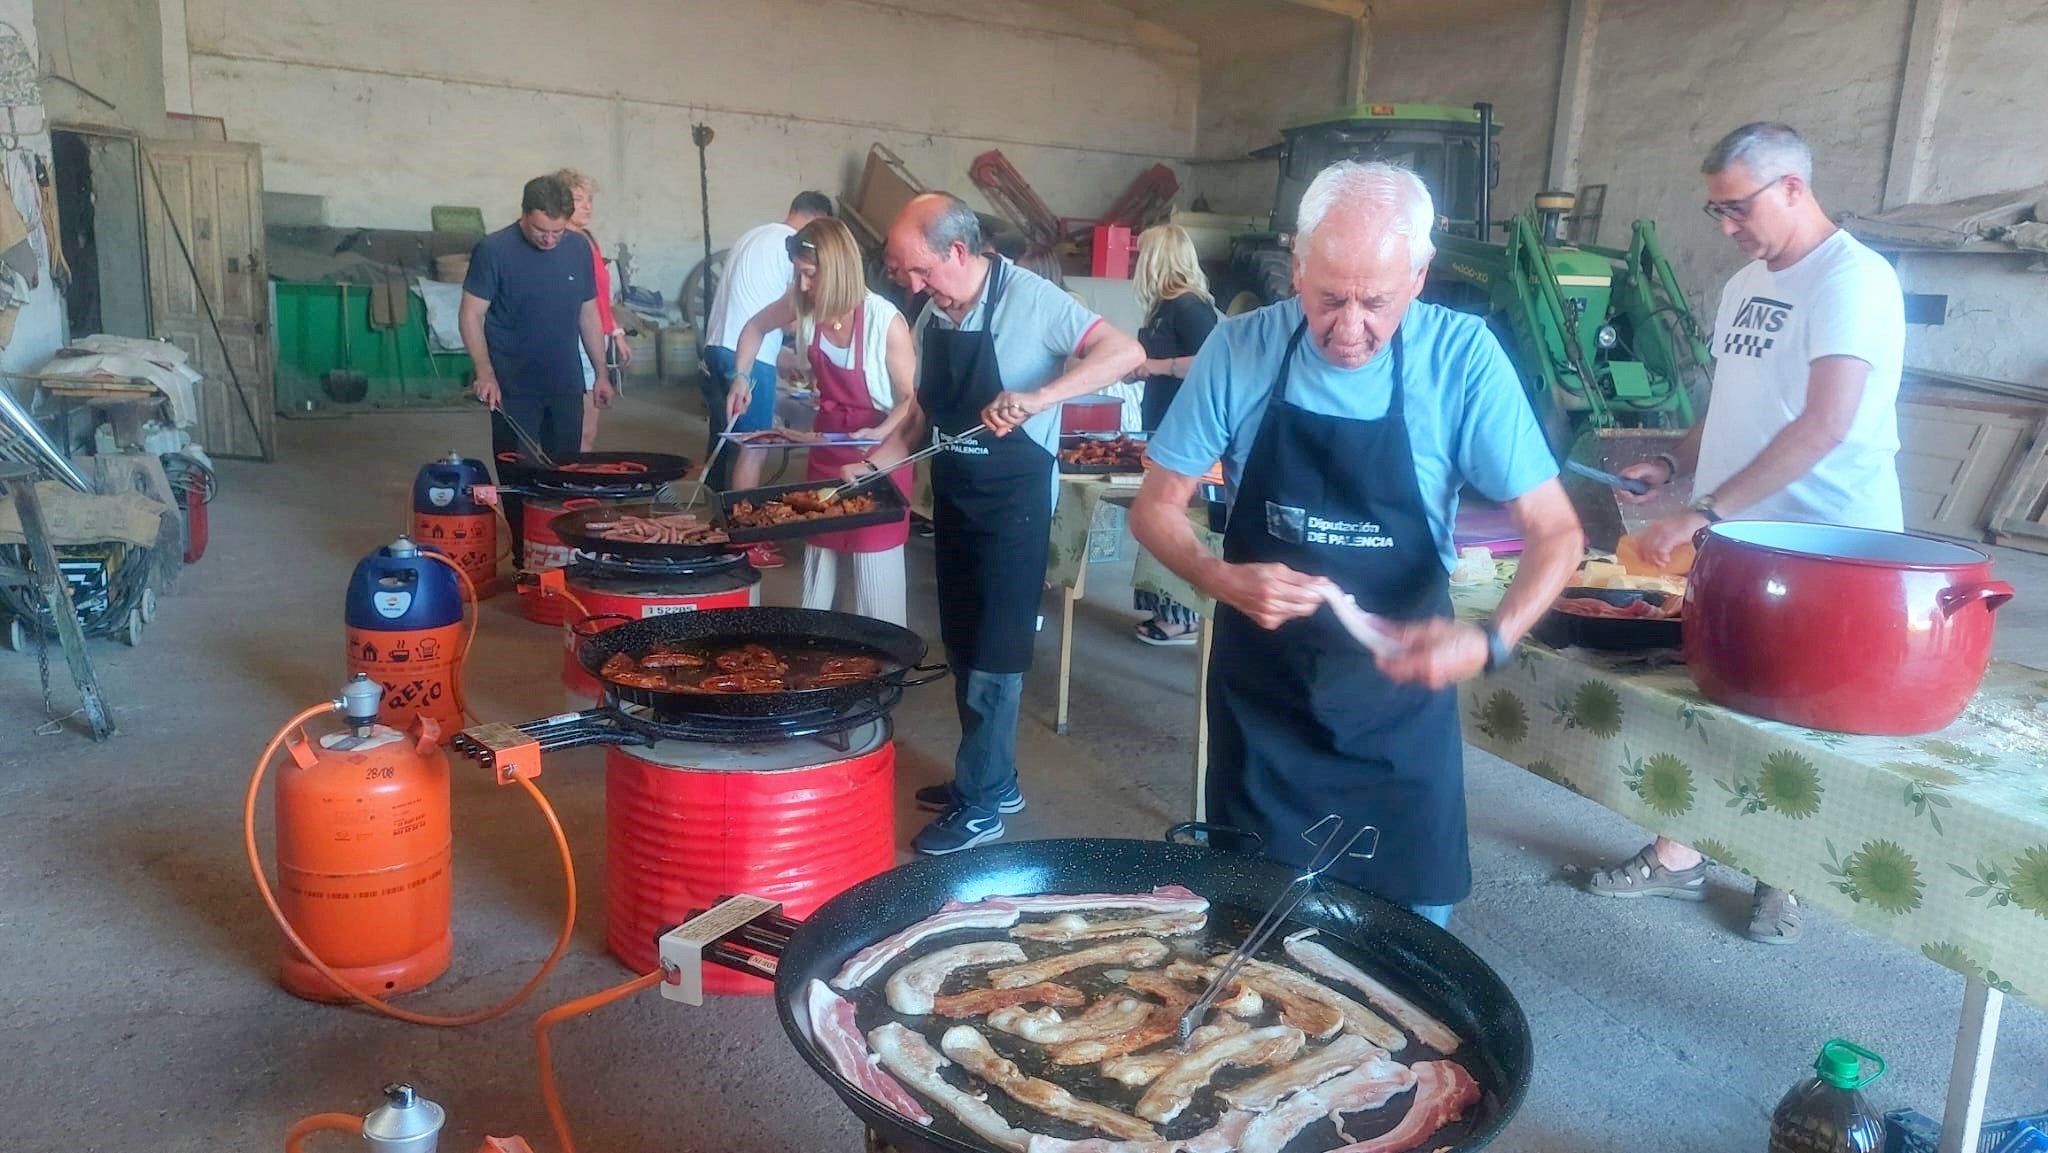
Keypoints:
pixel 583 188
pixel 865 366
pixel 1179 315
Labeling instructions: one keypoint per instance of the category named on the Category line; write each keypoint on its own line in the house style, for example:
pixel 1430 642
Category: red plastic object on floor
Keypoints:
pixel 195 529
pixel 1114 250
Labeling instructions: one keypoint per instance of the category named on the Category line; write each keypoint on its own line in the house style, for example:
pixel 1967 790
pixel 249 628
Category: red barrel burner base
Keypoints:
pixel 795 821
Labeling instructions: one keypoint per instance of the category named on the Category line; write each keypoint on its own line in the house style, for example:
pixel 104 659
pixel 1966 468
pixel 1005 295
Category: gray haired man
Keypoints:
pixel 1803 426
pixel 1347 421
pixel 1001 347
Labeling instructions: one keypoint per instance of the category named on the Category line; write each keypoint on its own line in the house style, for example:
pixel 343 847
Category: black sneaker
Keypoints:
pixel 939 798
pixel 960 827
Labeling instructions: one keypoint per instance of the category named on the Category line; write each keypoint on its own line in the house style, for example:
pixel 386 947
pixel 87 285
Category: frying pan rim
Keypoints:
pixel 1510 1096
pixel 893 641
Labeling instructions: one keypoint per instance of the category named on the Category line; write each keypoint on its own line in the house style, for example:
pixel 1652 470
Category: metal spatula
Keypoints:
pixel 1333 848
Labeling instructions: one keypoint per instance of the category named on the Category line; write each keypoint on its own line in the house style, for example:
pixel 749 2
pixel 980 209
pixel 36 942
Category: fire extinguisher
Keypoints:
pixel 404 614
pixel 364 848
pixel 447 516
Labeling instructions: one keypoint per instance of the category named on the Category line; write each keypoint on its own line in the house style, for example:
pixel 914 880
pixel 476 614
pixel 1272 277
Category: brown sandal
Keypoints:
pixel 1775 917
pixel 1643 875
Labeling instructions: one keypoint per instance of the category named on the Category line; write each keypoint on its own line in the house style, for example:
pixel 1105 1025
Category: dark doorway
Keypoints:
pixel 99 206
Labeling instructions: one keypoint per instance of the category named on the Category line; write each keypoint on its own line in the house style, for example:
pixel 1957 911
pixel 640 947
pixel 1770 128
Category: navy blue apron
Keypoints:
pixel 991 503
pixel 1302 723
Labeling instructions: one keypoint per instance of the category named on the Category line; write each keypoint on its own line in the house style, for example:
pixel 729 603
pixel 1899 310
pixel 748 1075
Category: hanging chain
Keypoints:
pixel 53 724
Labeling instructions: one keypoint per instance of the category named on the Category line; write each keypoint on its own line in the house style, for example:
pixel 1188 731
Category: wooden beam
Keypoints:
pixel 1934 26
pixel 1348 9
pixel 1361 54
pixel 1962 1123
pixel 1574 93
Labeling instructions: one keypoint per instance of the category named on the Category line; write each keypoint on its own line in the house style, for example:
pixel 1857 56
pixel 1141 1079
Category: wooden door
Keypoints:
pixel 207 290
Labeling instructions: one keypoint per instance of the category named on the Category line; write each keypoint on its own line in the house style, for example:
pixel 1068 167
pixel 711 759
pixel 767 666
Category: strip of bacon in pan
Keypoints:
pixel 1333 1060
pixel 1070 927
pixel 833 1028
pixel 972 1051
pixel 911 1057
pixel 982 1002
pixel 1370 1086
pixel 1140 952
pixel 1318 959
pixel 1443 1091
pixel 1105 1018
pixel 910 989
pixel 1170 1094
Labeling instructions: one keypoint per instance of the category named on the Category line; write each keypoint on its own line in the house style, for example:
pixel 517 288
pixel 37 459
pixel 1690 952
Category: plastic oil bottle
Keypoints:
pixel 1826 1113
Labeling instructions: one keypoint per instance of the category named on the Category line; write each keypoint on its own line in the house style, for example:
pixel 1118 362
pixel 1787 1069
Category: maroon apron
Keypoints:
pixel 844 405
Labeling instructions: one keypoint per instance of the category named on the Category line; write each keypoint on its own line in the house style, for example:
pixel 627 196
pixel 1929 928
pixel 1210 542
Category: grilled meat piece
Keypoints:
pixel 910 989
pixel 1178 1085
pixel 752 659
pixel 1140 952
pixel 974 1054
pixel 982 1002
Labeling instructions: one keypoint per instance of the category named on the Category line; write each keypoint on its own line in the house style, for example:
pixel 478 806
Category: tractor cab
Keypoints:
pixel 1441 143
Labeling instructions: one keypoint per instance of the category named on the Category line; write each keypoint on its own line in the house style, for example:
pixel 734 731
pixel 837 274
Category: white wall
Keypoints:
pixel 39 329
pixel 387 107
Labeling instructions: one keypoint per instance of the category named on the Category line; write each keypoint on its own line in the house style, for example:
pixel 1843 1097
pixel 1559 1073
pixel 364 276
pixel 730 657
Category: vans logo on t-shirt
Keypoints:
pixel 1757 316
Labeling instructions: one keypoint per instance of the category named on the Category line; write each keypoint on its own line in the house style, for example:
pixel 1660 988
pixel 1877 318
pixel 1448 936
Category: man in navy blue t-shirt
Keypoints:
pixel 528 301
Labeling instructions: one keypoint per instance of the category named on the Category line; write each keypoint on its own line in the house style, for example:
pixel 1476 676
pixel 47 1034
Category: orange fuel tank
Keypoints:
pixel 363 854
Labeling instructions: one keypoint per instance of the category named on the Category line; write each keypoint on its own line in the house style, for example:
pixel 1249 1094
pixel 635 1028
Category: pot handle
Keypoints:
pixel 1206 834
pixel 931 673
pixel 1991 593
pixel 589 627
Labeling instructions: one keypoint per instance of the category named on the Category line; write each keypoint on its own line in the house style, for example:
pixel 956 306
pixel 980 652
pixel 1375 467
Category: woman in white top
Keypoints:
pixel 865 366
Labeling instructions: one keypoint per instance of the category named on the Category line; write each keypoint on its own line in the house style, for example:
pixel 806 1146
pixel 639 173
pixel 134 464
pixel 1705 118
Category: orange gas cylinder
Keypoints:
pixel 363 853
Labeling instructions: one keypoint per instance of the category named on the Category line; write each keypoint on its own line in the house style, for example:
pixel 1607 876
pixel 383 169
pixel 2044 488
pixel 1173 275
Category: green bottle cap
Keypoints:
pixel 1841 1064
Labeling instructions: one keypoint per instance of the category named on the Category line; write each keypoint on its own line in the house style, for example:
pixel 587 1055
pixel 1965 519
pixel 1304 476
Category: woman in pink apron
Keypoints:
pixel 865 367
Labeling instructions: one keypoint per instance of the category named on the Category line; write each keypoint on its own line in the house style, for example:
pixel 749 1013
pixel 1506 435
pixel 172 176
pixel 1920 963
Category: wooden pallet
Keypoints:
pixel 2021 516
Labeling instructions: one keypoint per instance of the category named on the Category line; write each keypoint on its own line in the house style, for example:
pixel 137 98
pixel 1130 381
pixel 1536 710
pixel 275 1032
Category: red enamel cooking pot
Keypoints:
pixel 1849 629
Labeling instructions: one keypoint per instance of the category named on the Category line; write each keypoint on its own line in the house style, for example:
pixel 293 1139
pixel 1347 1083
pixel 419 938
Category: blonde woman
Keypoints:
pixel 861 357
pixel 583 188
pixel 1179 316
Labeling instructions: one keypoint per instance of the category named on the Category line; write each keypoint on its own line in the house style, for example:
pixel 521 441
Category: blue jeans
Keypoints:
pixel 719 367
pixel 1439 915
pixel 985 767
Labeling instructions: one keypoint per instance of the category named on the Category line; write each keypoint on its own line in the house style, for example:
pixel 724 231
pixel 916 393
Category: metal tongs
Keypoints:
pixel 1333 848
pixel 940 443
pixel 526 441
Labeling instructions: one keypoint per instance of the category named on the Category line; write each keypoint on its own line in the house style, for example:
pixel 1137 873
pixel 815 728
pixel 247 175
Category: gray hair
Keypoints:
pixel 1770 151
pixel 956 223
pixel 1390 187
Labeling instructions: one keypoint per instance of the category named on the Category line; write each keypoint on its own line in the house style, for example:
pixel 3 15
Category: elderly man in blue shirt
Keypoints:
pixel 1348 419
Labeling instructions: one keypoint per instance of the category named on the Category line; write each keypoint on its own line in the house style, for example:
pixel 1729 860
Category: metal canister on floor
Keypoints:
pixel 446 515
pixel 404 616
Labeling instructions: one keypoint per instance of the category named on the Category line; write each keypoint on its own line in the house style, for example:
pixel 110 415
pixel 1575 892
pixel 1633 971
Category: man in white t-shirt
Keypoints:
pixel 1803 424
pixel 757 274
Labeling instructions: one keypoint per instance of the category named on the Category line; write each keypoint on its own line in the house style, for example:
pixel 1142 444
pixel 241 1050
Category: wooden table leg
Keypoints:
pixel 1207 646
pixel 56 595
pixel 1963 1120
pixel 1067 599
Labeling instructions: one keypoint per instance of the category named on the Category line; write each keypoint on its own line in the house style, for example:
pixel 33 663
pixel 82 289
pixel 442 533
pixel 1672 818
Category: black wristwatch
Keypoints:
pixel 1498 651
pixel 1705 507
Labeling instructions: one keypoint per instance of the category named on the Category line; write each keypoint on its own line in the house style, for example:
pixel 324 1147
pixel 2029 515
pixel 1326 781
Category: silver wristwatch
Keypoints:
pixel 1704 505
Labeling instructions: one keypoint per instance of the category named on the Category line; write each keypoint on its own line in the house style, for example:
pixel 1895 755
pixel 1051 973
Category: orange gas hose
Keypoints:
pixel 295 1139
pixel 468 638
pixel 290 934
pixel 563 1012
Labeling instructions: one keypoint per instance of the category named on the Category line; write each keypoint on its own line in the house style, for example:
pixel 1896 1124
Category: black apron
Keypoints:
pixel 991 500
pixel 1303 724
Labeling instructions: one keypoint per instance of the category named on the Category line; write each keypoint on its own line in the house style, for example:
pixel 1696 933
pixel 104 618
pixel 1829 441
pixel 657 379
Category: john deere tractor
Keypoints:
pixel 1602 337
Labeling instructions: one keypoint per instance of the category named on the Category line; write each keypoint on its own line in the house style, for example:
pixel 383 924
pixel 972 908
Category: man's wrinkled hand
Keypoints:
pixel 1272 594
pixel 1436 653
pixel 486 388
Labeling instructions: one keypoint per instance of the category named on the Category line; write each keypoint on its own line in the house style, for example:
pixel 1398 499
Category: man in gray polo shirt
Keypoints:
pixel 993 348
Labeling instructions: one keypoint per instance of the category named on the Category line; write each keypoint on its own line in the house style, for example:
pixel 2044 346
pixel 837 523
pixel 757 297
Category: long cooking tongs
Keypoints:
pixel 1334 847
pixel 940 443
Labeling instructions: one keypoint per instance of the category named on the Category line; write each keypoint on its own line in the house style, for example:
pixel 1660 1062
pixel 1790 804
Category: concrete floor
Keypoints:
pixel 139 1009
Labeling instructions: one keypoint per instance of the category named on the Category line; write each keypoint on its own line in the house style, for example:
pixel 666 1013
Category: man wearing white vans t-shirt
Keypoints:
pixel 1803 423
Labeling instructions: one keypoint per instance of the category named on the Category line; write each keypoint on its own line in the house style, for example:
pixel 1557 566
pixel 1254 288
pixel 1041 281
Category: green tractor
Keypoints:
pixel 1603 337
